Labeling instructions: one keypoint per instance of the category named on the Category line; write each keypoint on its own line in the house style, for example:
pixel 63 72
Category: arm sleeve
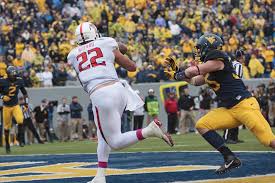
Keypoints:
pixel 69 58
pixel 111 42
pixel 24 91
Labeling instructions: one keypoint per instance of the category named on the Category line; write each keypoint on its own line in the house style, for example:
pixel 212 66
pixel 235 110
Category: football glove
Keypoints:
pixel 169 74
pixel 170 62
pixel 5 98
pixel 174 71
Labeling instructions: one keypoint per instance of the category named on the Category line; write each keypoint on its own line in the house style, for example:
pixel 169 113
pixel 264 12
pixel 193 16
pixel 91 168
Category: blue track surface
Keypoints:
pixel 253 164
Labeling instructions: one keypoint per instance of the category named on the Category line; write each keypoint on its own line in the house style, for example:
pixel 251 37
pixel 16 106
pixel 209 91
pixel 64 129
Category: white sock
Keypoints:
pixel 100 172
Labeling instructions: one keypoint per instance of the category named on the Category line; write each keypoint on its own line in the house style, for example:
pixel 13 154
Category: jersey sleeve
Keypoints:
pixel 70 57
pixel 111 42
pixel 4 89
pixel 22 86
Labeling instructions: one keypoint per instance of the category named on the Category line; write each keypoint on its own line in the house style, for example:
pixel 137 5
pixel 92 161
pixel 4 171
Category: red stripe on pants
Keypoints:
pixel 99 125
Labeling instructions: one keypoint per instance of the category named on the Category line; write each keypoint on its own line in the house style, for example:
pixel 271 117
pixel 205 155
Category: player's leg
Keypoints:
pixel 248 112
pixel 19 117
pixel 7 117
pixel 108 119
pixel 219 118
pixel 103 152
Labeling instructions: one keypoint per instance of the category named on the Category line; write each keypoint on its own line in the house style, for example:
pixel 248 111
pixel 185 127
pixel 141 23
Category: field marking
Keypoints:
pixel 129 152
pixel 146 148
pixel 227 179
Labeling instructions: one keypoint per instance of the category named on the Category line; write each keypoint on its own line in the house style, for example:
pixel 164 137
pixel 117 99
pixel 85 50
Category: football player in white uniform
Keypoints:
pixel 94 60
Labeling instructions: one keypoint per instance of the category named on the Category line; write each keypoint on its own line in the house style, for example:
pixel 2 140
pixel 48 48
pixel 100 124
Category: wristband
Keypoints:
pixel 179 76
pixel 198 70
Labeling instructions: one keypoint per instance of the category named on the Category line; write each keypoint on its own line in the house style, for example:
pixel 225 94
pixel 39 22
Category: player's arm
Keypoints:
pixel 124 61
pixel 201 69
pixel 197 80
pixel 25 94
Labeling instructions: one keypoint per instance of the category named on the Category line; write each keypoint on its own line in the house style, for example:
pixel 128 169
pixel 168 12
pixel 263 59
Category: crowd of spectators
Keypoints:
pixel 36 35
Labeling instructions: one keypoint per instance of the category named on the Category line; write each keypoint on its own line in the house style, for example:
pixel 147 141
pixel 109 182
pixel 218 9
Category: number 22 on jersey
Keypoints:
pixel 83 58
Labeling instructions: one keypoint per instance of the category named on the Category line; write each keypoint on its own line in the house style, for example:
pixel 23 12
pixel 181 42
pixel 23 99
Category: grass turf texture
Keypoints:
pixel 188 142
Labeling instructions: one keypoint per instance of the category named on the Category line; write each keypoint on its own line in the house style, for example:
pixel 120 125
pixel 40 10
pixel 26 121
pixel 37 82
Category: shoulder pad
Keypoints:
pixel 216 55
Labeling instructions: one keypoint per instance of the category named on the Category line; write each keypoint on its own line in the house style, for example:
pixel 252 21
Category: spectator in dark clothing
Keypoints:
pixel 62 76
pixel 27 80
pixel 186 105
pixel 205 102
pixel 150 75
pixel 41 118
pixel 76 122
pixel 171 107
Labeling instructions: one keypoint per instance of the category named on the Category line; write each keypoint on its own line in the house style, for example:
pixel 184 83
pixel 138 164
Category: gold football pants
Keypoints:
pixel 9 112
pixel 246 112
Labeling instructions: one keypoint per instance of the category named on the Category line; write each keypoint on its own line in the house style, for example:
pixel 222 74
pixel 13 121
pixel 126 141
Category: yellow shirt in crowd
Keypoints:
pixel 255 67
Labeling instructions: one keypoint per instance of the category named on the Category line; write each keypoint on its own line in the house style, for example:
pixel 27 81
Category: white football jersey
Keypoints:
pixel 94 62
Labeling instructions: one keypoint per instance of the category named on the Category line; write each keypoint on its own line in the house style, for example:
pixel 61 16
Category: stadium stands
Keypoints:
pixel 38 34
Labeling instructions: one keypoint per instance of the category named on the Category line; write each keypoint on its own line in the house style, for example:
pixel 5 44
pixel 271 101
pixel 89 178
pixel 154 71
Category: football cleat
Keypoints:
pixel 156 131
pixel 96 179
pixel 231 163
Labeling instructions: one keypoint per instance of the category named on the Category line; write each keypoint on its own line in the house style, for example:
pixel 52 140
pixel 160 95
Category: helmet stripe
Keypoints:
pixel 81 33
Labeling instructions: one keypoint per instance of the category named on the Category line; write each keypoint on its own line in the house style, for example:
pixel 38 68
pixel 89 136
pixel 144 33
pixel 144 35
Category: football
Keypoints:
pixel 122 48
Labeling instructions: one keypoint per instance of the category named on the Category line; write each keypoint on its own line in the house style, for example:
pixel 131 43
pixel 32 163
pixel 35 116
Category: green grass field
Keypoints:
pixel 189 142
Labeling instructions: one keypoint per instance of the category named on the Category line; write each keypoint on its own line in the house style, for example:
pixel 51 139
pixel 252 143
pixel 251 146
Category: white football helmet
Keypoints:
pixel 85 32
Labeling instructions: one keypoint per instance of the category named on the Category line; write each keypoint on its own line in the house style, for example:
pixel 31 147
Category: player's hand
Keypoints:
pixel 26 105
pixel 170 63
pixel 169 74
pixel 5 98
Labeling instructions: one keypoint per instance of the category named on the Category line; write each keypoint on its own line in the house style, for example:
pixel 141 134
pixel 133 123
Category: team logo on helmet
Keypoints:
pixel 210 39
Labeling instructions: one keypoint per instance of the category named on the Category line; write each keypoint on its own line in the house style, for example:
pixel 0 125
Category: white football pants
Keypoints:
pixel 109 103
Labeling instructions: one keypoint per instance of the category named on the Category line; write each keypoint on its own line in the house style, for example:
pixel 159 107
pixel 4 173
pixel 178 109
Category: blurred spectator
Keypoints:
pixel 262 98
pixel 62 75
pixel 63 111
pixel 41 119
pixel 47 76
pixel 27 80
pixel 28 55
pixel 151 106
pixel 46 27
pixel 186 106
pixel 91 122
pixel 3 67
pixel 205 102
pixel 150 75
pixel 256 67
pixel 138 116
pixel 75 124
pixel 171 107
